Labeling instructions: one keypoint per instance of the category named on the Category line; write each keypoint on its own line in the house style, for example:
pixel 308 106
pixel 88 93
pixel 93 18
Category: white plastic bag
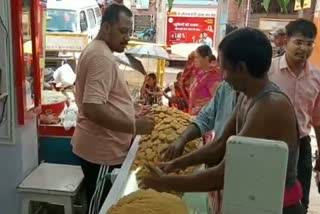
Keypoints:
pixel 64 76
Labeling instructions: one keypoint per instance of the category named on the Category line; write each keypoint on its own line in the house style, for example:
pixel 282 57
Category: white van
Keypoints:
pixel 74 16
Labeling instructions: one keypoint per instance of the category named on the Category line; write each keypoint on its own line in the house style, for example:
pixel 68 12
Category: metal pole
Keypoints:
pixel 247 12
pixel 161 21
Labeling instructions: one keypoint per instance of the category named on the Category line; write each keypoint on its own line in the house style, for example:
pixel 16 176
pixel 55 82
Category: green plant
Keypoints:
pixel 266 3
pixel 170 5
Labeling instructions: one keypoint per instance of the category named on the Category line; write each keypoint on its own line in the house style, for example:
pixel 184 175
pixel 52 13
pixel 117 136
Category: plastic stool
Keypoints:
pixel 51 183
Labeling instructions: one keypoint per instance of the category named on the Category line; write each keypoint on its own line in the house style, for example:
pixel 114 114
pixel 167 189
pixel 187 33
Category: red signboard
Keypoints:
pixel 190 30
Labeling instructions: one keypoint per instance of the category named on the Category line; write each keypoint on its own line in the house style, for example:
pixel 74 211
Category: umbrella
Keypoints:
pixel 130 61
pixel 148 51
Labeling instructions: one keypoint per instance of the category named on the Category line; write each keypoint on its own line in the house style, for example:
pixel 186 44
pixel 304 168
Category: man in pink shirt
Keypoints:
pixel 107 119
pixel 300 80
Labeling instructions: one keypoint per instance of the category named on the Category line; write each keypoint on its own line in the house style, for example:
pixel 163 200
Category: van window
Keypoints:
pixel 91 18
pixel 83 22
pixel 59 20
pixel 98 14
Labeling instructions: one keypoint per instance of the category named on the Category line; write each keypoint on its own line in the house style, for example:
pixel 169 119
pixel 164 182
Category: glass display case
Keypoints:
pixel 28 44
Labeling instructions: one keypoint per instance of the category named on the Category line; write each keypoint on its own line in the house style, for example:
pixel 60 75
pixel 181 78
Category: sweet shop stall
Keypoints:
pixel 146 150
pixel 58 116
pixel 244 157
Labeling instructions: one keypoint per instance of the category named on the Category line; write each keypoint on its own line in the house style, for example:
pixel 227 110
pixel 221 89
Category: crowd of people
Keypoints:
pixel 245 92
pixel 193 88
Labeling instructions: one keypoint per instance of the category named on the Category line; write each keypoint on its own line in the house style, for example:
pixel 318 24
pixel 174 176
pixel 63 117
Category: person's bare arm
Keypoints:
pixel 211 153
pixel 100 78
pixel 203 181
pixel 264 120
pixel 158 93
pixel 165 93
pixel 102 115
pixel 191 133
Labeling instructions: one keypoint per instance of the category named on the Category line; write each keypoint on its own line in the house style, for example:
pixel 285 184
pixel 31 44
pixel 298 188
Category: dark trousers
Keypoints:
pixel 91 171
pixel 305 169
pixel 295 209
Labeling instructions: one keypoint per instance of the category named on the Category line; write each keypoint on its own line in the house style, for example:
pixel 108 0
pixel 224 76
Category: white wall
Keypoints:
pixel 18 150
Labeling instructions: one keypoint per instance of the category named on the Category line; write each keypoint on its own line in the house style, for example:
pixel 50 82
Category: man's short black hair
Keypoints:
pixel 303 27
pixel 250 46
pixel 111 13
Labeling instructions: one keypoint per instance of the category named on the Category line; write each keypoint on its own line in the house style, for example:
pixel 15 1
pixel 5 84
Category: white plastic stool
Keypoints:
pixel 51 183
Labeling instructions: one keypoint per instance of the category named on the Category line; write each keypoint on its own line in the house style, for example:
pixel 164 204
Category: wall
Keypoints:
pixel 19 152
pixel 195 2
pixel 16 162
pixel 315 58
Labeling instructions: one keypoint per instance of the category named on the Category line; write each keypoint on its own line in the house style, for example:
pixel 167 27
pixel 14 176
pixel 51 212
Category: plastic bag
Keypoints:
pixel 64 76
pixel 69 117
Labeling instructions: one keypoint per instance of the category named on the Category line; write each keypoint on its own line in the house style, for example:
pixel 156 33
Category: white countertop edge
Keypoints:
pixel 120 182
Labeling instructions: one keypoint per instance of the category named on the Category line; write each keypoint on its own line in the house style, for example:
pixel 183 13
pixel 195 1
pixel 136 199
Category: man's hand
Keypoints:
pixel 143 111
pixel 155 179
pixel 145 125
pixel 168 167
pixel 174 150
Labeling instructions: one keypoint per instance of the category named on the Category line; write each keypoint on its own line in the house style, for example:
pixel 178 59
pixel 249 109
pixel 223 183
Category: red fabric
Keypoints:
pixel 292 195
pixel 187 77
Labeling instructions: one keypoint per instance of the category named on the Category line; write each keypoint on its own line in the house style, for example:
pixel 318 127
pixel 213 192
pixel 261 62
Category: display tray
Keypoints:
pixel 126 183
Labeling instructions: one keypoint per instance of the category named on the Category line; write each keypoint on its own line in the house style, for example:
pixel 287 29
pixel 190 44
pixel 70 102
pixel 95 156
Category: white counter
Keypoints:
pixel 120 183
pixel 126 183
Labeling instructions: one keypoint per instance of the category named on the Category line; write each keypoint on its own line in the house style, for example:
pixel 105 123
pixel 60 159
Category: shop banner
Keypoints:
pixel 196 30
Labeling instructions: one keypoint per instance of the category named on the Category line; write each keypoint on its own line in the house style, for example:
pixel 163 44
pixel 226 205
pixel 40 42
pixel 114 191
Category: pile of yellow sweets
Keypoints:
pixel 170 124
pixel 149 202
